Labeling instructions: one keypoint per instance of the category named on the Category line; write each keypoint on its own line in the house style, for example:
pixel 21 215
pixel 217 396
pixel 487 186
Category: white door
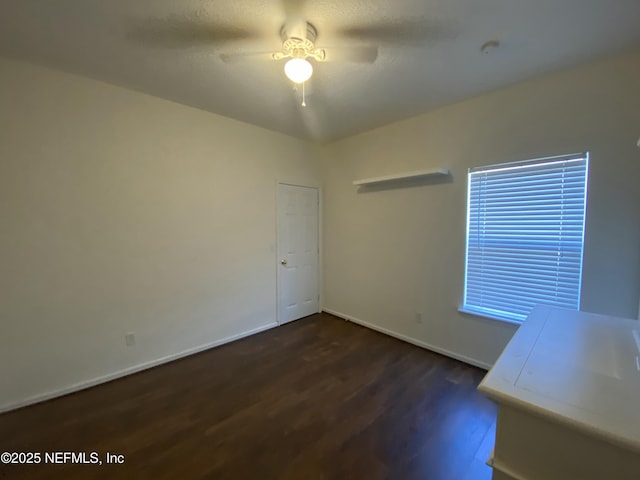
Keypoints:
pixel 298 293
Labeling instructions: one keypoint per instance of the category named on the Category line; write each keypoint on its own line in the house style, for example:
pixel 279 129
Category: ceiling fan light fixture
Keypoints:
pixel 298 70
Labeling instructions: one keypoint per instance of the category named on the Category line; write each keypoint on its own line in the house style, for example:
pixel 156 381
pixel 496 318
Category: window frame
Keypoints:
pixel 495 314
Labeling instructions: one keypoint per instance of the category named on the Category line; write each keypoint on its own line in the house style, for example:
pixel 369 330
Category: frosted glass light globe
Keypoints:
pixel 298 70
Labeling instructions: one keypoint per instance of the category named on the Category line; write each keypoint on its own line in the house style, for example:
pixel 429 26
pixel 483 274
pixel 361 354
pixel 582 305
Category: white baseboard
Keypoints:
pixel 413 341
pixel 76 387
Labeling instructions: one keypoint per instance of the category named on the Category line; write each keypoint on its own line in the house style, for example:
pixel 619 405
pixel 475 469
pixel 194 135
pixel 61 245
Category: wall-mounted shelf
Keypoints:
pixel 422 174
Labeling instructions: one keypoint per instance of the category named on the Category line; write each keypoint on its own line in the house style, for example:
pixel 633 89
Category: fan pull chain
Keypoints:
pixel 304 104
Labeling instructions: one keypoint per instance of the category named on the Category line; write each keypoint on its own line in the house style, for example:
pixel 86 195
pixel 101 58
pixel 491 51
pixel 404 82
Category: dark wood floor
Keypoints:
pixel 319 398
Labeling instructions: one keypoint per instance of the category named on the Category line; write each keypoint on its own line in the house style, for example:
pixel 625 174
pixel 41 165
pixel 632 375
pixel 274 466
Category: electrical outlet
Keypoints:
pixel 418 317
pixel 130 339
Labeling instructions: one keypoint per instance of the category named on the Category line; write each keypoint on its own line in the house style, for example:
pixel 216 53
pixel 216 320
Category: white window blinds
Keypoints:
pixel 525 232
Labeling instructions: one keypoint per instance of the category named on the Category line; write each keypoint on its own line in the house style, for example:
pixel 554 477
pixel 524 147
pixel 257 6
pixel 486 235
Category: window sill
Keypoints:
pixel 490 317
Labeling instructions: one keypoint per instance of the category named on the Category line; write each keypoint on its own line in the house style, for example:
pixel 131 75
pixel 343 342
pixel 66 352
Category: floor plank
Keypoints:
pixel 319 398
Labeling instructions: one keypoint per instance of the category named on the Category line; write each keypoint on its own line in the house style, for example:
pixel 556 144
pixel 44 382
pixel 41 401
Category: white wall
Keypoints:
pixel 123 212
pixel 391 253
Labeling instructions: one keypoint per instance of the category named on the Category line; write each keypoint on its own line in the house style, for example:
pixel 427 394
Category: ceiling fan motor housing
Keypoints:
pixel 298 42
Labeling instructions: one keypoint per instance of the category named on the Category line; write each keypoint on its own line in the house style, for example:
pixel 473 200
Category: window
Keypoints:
pixel 525 232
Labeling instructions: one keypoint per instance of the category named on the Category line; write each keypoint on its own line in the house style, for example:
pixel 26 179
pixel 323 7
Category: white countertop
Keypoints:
pixel 576 368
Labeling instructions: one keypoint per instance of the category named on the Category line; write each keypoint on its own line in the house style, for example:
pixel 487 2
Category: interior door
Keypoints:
pixel 298 291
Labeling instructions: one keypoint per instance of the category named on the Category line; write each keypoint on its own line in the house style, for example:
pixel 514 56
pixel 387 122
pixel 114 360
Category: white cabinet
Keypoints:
pixel 568 392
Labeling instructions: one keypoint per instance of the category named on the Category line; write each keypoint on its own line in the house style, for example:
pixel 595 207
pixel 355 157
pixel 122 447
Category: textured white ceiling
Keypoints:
pixel 429 51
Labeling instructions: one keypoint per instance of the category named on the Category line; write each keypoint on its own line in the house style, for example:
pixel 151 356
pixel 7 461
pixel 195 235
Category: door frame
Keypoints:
pixel 276 249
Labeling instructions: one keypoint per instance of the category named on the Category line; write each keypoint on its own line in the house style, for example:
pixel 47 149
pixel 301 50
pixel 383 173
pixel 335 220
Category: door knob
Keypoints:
pixel 283 261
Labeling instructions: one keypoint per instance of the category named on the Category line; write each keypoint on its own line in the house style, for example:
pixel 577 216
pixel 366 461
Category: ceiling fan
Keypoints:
pixel 297 34
pixel 299 44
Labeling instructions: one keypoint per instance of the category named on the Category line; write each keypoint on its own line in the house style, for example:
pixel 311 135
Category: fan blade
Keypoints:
pixel 400 32
pixel 242 56
pixel 350 54
pixel 178 32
